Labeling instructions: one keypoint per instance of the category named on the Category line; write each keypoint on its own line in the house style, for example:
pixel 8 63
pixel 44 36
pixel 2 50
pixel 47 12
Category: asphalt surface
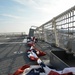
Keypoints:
pixel 13 55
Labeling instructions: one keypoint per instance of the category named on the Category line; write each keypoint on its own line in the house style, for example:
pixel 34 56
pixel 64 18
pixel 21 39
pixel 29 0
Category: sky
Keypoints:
pixel 20 15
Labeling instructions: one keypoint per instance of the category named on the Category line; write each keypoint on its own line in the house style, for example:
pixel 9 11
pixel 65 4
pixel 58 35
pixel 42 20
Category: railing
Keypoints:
pixel 59 30
pixel 12 34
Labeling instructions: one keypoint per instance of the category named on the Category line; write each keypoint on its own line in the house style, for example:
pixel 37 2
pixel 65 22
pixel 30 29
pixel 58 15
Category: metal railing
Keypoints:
pixel 59 30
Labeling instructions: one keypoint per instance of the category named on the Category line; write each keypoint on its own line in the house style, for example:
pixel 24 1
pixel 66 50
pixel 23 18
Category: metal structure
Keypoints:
pixel 31 31
pixel 59 30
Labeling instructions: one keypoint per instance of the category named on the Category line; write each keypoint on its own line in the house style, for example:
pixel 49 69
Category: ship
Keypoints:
pixel 47 50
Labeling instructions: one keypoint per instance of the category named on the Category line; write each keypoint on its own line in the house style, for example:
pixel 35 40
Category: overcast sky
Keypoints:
pixel 20 15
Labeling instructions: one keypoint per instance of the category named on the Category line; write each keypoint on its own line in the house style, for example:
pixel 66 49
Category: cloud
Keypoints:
pixel 47 6
pixel 40 6
pixel 21 10
pixel 33 12
pixel 43 9
pixel 19 1
pixel 11 16
pixel 25 2
pixel 53 8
